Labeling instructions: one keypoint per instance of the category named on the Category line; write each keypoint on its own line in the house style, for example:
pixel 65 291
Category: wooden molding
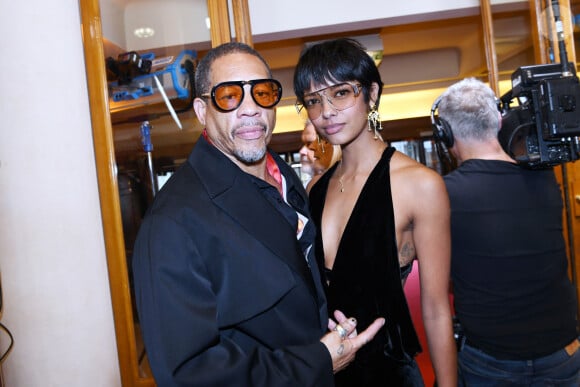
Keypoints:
pixel 220 30
pixel 489 43
pixel 109 193
pixel 242 21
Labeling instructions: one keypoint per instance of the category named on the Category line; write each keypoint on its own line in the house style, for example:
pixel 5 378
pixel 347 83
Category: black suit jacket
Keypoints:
pixel 224 294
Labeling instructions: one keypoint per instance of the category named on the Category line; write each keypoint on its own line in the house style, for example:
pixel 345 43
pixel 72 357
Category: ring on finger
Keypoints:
pixel 341 331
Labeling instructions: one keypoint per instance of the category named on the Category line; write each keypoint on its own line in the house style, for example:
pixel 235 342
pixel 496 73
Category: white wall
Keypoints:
pixel 54 277
pixel 271 17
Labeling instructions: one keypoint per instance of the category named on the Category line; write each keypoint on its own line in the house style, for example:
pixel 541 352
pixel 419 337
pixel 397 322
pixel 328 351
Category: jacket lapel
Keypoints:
pixel 232 190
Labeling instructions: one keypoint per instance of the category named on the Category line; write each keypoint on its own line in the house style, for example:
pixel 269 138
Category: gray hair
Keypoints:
pixel 470 108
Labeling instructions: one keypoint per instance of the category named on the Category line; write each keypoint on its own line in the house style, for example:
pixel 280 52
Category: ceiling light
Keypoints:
pixel 144 32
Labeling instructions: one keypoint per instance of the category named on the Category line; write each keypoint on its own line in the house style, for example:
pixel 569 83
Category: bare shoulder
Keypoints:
pixel 405 168
pixel 411 178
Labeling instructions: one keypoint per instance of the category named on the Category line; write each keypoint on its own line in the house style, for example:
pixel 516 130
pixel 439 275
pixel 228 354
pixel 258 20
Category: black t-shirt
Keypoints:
pixel 509 265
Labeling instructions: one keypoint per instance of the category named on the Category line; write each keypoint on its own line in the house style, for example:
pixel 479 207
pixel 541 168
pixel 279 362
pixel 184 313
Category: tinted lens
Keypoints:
pixel 266 93
pixel 340 97
pixel 228 96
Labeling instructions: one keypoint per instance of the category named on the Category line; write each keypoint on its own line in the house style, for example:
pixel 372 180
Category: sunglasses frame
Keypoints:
pixel 357 89
pixel 252 83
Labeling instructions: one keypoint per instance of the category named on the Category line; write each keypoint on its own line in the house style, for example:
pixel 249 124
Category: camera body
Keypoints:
pixel 127 66
pixel 542 130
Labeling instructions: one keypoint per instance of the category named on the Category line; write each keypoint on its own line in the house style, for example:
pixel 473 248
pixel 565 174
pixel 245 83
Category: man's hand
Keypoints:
pixel 343 341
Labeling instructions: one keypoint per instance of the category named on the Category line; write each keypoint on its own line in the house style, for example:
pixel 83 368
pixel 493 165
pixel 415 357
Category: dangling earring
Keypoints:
pixel 320 143
pixel 375 122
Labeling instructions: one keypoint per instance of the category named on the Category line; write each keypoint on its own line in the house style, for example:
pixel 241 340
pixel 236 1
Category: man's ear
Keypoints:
pixel 199 106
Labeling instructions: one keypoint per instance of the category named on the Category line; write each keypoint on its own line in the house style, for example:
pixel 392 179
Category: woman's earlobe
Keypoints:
pixel 374 94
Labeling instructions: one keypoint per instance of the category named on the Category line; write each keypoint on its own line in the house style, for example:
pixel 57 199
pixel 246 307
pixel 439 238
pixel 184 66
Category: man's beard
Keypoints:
pixel 250 156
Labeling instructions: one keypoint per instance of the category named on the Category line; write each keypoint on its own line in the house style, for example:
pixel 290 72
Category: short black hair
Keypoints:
pixel 202 73
pixel 337 60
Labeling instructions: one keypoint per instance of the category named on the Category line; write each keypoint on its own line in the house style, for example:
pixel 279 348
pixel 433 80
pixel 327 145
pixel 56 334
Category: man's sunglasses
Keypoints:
pixel 228 96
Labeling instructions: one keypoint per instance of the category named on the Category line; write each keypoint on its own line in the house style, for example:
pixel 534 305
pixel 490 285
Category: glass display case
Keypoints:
pixel 422 150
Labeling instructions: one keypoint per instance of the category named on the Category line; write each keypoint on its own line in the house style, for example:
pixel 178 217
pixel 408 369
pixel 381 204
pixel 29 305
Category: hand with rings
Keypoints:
pixel 341 331
pixel 343 341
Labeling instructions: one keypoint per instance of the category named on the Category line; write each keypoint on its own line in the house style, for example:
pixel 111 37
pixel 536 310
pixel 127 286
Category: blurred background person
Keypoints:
pixel 316 155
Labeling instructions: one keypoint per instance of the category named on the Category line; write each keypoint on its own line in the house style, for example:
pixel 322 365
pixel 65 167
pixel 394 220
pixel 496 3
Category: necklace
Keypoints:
pixel 340 176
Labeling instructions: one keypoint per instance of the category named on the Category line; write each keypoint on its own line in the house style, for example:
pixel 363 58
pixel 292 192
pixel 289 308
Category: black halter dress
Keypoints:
pixel 365 281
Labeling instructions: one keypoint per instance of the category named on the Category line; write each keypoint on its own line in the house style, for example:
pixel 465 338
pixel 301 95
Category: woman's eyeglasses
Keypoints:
pixel 228 96
pixel 340 97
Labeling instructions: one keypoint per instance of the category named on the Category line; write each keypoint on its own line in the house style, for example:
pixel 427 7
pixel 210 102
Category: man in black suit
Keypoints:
pixel 227 289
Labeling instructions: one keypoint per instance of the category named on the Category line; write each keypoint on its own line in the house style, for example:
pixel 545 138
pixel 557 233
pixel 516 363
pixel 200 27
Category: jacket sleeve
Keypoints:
pixel 178 310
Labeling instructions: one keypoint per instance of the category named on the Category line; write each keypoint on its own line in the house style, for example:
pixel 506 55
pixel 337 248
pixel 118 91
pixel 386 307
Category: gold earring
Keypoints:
pixel 320 143
pixel 375 121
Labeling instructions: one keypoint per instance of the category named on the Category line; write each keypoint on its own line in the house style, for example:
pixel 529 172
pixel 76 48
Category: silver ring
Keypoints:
pixel 341 331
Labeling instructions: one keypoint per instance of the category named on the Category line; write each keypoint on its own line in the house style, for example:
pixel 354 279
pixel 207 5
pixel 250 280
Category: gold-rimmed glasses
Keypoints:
pixel 340 97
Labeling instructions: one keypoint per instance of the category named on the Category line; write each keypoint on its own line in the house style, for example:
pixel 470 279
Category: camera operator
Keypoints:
pixel 512 293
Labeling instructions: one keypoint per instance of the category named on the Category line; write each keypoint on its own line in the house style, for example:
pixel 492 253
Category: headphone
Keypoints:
pixel 441 128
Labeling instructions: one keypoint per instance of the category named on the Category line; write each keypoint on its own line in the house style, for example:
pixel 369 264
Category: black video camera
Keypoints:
pixel 542 131
pixel 127 66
